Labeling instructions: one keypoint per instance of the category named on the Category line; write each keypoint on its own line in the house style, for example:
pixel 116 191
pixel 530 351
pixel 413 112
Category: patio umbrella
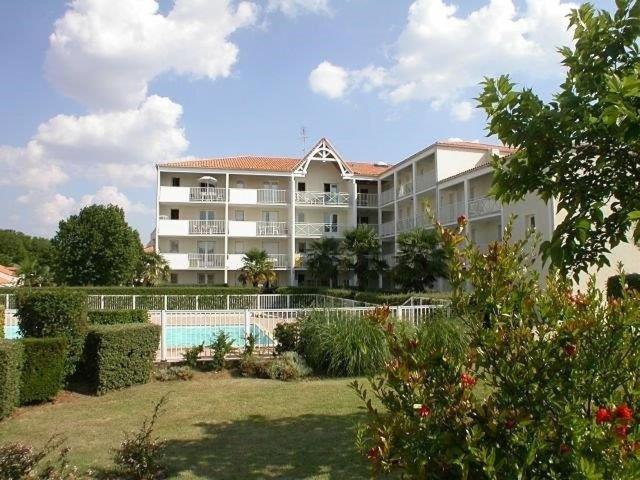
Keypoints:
pixel 208 178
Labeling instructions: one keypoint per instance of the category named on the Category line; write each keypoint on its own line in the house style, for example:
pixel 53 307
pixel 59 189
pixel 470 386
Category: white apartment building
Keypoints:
pixel 211 211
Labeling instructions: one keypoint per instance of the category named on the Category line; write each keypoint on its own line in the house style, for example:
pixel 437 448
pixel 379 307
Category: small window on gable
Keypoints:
pixel 175 181
pixel 302 187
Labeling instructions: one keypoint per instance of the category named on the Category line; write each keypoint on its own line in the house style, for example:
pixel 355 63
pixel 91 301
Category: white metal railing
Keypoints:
pixel 279 260
pixel 207 260
pixel 300 260
pixel 483 206
pixel 319 229
pixel 271 196
pixel 271 229
pixel 372 226
pixel 405 189
pixel 367 200
pixel 425 180
pixel 386 196
pixel 322 198
pixel 449 212
pixel 387 228
pixel 207 194
pixel 405 224
pixel 206 227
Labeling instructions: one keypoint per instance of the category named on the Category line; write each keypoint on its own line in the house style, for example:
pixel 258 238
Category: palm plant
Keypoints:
pixel 361 252
pixel 323 259
pixel 152 270
pixel 257 268
pixel 421 260
pixel 33 274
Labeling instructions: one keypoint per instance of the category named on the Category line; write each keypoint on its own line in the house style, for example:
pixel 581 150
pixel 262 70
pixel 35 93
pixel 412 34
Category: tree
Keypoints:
pixel 361 253
pixel 421 260
pixel 31 273
pixel 323 260
pixel 96 247
pixel 582 148
pixel 17 246
pixel 152 269
pixel 257 268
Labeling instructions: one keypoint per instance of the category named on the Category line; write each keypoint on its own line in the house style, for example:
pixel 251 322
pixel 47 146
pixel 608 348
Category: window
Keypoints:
pixel 302 187
pixel 302 247
pixel 175 214
pixel 239 246
pixel 174 246
pixel 300 279
pixel 206 247
pixel 174 278
pixel 331 187
pixel 240 184
pixel 300 217
pixel 268 216
pixel 270 185
pixel 530 222
pixel 239 216
pixel 207 215
pixel 364 220
pixel 206 278
pixel 175 181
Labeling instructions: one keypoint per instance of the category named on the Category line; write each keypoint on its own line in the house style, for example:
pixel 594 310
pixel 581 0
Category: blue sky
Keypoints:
pixel 380 79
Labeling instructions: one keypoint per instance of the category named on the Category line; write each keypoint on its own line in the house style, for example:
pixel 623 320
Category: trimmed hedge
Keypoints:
pixel 379 297
pixel 43 369
pixel 55 313
pixel 117 317
pixel 614 284
pixel 159 290
pixel 1 322
pixel 11 358
pixel 118 356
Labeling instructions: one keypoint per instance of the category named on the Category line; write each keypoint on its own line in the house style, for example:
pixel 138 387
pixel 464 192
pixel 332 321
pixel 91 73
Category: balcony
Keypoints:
pixel 480 207
pixel 279 260
pixel 387 229
pixel 239 228
pixel 372 226
pixel 205 261
pixel 386 196
pixel 319 230
pixel 391 260
pixel 207 194
pixel 175 228
pixel 321 199
pixel 367 200
pixel 425 180
pixel 405 189
pixel 300 260
pixel 405 224
pixel 271 196
pixel 449 212
pixel 206 227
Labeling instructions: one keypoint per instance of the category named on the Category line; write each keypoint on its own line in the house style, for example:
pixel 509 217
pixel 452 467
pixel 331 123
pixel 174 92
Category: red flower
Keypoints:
pixel 467 380
pixel 413 343
pixel 511 423
pixel 570 350
pixel 564 449
pixel 423 411
pixel 603 415
pixel 624 413
pixel 621 431
pixel 373 453
pixel 462 220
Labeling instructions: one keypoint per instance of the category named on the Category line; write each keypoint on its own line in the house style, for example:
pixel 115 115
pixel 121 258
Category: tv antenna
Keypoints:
pixel 303 136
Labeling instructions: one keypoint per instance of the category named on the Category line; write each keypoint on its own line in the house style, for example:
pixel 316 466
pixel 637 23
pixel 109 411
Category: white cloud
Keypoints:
pixel 462 111
pixel 111 195
pixel 104 53
pixel 329 80
pixel 292 8
pixel 441 56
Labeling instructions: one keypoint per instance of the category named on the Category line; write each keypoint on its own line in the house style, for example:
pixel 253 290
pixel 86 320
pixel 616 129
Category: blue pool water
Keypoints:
pixel 183 336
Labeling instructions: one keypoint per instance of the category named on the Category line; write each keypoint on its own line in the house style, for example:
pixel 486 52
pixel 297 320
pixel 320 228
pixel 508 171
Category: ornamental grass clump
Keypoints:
pixel 528 382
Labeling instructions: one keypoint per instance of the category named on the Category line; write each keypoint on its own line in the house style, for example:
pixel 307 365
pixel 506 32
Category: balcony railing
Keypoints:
pixel 206 227
pixel 271 229
pixel 405 224
pixel 322 198
pixel 319 229
pixel 449 212
pixel 372 226
pixel 386 196
pixel 367 200
pixel 425 180
pixel 479 207
pixel 405 189
pixel 207 194
pixel 206 260
pixel 272 196
pixel 279 260
pixel 387 229
pixel 300 260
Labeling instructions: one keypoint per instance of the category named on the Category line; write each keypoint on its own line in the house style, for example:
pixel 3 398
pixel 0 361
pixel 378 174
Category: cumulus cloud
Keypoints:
pixel 441 56
pixel 292 8
pixel 104 53
pixel 462 111
pixel 329 80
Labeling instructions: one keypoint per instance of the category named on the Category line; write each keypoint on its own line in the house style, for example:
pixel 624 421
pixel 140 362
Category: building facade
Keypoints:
pixel 210 212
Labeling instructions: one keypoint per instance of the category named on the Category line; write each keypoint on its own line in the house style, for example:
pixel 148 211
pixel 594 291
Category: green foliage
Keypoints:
pixel 2 322
pixel 254 366
pixel 592 126
pixel 191 355
pixel 43 369
pixel 614 284
pixel 118 356
pixel 15 247
pixel 152 270
pixel 220 348
pixel 323 259
pixel 361 250
pixel 249 345
pixel 11 360
pixel 33 273
pixel 340 344
pixel 286 336
pixel 96 247
pixel 116 317
pixel 421 260
pixel 141 455
pixel 159 290
pixel 55 313
pixel 288 366
pixel 526 383
pixel 257 269
pixel 173 373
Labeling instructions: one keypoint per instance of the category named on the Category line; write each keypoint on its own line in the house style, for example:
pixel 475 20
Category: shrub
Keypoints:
pixel 144 291
pixel 252 366
pixel 116 317
pixel 140 455
pixel 11 359
pixel 55 313
pixel 614 284
pixel 1 322
pixel 287 336
pixel 249 345
pixel 546 388
pixel 289 366
pixel 118 356
pixel 191 355
pixel 382 298
pixel 173 373
pixel 43 369
pixel 343 344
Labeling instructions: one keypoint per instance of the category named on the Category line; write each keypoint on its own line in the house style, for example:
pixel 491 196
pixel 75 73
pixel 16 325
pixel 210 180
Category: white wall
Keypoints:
pixel 452 162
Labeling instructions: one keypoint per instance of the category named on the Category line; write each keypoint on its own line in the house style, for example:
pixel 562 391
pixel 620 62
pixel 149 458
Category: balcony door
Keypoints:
pixel 268 216
pixel 331 223
pixel 207 215
pixel 206 247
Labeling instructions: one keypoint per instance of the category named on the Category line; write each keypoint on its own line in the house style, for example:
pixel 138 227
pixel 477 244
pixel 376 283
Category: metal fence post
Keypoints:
pixel 101 302
pixel 163 335
pixel 134 302
pixel 165 302
pixel 227 301
pixel 197 302
pixel 288 301
pixel 247 323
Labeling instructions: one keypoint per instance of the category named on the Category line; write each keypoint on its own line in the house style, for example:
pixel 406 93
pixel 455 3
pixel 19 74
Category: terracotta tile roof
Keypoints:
pixel 241 162
pixel 474 146
pixel 8 270
pixel 368 169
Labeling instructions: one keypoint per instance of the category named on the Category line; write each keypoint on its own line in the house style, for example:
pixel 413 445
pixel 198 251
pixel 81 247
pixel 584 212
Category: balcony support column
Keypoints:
pixel 226 228
pixel 414 196
pixel 292 231
pixel 353 204
pixel 466 198
pixel 379 210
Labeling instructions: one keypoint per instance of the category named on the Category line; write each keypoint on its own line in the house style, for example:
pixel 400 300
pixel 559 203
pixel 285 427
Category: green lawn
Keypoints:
pixel 216 427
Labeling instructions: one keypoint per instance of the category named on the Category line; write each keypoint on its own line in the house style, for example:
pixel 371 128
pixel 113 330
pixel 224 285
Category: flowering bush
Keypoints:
pixel 545 387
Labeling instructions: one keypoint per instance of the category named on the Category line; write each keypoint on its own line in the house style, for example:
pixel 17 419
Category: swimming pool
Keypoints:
pixel 11 332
